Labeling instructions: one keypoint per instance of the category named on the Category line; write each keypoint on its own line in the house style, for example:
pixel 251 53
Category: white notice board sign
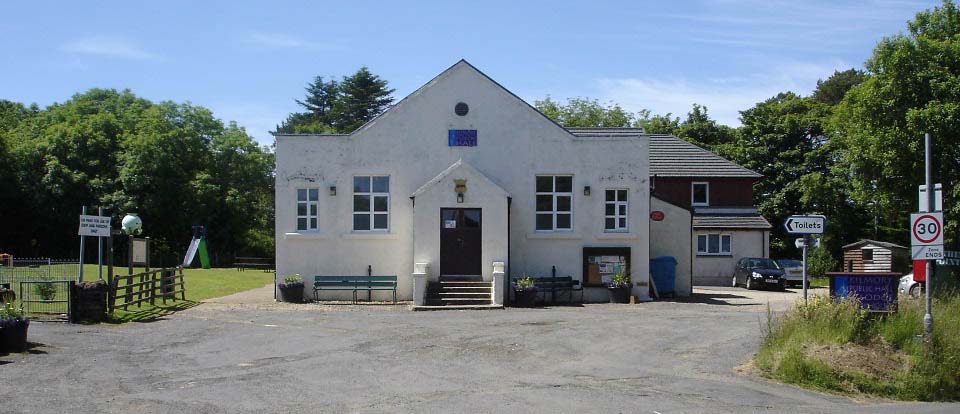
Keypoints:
pixel 96 226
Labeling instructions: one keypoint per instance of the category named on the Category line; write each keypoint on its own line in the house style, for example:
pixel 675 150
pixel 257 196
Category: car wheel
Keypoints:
pixel 734 281
pixel 749 283
pixel 915 291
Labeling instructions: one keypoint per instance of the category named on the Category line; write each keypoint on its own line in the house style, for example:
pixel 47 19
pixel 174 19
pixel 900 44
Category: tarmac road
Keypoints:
pixel 244 354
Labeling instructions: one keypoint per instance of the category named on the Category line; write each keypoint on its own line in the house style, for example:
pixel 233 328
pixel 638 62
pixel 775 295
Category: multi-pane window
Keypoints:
pixel 615 210
pixel 554 202
pixel 307 199
pixel 713 244
pixel 371 203
pixel 700 194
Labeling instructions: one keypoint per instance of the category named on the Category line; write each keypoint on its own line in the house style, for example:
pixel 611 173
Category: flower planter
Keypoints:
pixel 524 298
pixel 291 293
pixel 619 294
pixel 13 335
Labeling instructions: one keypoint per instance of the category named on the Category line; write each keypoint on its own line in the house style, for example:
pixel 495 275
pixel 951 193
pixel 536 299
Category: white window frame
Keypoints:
pixel 707 244
pixel 312 218
pixel 554 212
pixel 617 203
pixel 370 213
pixel 693 201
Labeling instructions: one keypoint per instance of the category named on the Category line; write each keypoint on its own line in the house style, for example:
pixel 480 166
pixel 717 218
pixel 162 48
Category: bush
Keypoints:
pixel 46 291
pixel 876 354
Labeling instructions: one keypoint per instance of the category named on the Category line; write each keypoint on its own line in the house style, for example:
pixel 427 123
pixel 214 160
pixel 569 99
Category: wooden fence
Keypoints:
pixel 146 287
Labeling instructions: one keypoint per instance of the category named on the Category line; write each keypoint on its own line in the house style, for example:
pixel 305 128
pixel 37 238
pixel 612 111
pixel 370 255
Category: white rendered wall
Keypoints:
pixel 409 143
pixel 668 238
pixel 718 270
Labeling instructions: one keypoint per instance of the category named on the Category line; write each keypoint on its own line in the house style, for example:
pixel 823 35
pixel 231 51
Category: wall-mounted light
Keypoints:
pixel 586 190
pixel 333 190
pixel 460 197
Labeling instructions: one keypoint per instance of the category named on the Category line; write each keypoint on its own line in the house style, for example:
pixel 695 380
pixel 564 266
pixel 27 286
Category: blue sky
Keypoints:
pixel 248 61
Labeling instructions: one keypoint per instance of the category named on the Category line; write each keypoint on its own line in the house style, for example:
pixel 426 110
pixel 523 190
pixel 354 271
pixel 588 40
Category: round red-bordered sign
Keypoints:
pixel 657 215
pixel 919 220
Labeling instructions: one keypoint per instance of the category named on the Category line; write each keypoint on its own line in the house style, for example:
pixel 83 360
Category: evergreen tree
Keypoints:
pixel 363 97
pixel 321 96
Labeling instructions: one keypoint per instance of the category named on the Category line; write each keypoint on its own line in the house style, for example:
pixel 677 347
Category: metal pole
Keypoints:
pixel 806 241
pixel 928 282
pixel 83 211
pixel 100 248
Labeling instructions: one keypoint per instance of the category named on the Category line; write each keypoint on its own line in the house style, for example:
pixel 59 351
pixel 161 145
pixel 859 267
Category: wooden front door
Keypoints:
pixel 460 241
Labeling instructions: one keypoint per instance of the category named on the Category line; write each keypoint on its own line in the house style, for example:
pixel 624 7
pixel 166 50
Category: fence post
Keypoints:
pixel 153 288
pixel 183 286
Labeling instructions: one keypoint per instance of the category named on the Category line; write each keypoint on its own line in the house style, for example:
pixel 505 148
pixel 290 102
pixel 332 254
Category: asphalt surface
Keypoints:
pixel 243 354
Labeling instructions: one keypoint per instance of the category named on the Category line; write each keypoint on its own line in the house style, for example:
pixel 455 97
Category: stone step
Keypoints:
pixel 462 278
pixel 462 289
pixel 461 295
pixel 455 307
pixel 457 301
pixel 466 284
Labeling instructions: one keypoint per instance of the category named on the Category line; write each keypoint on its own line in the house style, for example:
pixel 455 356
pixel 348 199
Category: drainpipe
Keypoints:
pixel 506 290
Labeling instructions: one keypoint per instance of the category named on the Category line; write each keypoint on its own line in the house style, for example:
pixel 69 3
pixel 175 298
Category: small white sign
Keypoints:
pixel 928 252
pixel 96 226
pixel 926 229
pixel 805 224
pixel 449 224
pixel 937 197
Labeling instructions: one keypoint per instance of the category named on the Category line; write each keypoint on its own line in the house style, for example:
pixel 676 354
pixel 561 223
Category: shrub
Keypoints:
pixel 291 281
pixel 524 284
pixel 620 280
pixel 46 291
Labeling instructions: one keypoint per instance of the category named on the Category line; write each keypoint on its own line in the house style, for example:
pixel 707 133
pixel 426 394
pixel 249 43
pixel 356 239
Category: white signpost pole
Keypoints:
pixel 100 249
pixel 83 212
pixel 928 282
pixel 806 243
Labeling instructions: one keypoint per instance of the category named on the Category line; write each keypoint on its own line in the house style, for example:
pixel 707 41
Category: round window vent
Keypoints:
pixel 461 109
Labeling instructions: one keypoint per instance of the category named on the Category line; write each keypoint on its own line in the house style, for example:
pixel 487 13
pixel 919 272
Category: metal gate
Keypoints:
pixel 46 299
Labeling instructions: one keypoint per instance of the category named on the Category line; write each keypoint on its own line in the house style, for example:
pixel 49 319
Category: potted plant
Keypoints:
pixel 13 329
pixel 291 289
pixel 619 288
pixel 524 292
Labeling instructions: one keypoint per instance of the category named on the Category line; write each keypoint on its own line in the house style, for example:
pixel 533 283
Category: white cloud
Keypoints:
pixel 725 97
pixel 109 47
pixel 284 41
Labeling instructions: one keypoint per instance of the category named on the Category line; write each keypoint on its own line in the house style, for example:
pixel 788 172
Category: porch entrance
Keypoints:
pixel 460 242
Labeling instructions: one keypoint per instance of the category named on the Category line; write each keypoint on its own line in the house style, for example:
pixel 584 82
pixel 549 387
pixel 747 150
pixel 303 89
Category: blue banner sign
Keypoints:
pixel 462 137
pixel 875 291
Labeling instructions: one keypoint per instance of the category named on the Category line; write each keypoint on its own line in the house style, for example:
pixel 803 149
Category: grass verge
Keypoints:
pixel 836 347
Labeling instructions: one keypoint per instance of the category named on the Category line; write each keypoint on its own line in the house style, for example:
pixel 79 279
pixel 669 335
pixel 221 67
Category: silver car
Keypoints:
pixel 792 271
pixel 910 287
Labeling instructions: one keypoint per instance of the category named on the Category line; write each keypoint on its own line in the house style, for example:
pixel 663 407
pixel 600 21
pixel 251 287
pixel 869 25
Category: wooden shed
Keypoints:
pixel 876 256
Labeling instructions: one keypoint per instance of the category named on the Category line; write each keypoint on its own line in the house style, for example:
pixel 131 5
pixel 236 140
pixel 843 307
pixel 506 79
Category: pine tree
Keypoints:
pixel 320 99
pixel 363 97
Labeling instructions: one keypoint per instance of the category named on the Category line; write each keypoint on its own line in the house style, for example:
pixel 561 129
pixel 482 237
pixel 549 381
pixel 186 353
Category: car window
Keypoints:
pixel 789 263
pixel 763 264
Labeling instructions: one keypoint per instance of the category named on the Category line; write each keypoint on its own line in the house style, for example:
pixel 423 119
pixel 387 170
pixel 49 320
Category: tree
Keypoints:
pixel 585 113
pixel 363 97
pixel 321 97
pixel 832 90
pixel 913 87
pixel 658 124
pixel 700 130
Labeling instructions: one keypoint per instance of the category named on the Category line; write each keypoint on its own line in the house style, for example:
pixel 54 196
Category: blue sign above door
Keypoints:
pixel 462 138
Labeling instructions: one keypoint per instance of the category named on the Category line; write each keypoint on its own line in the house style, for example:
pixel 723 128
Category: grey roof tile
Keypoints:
pixel 730 221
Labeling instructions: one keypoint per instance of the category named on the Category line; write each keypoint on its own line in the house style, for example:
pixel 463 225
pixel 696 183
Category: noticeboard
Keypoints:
pixel 876 292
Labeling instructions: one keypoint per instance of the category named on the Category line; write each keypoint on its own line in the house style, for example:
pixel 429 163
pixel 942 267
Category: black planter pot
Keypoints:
pixel 524 298
pixel 292 293
pixel 14 338
pixel 619 294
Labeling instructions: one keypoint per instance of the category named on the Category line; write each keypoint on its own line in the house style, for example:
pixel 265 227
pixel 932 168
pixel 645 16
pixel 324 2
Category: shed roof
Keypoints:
pixel 730 221
pixel 876 243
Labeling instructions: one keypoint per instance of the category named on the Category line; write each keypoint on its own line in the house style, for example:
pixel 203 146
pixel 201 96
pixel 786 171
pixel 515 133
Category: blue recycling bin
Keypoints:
pixel 663 271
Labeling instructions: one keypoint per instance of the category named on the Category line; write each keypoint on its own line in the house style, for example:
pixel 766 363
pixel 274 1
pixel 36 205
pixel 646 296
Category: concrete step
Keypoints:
pixel 465 284
pixel 456 307
pixel 462 278
pixel 457 301
pixel 460 289
pixel 477 295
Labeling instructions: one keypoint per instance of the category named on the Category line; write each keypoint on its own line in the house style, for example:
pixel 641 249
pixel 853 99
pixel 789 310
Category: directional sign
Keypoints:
pixel 926 229
pixel 927 252
pixel 805 224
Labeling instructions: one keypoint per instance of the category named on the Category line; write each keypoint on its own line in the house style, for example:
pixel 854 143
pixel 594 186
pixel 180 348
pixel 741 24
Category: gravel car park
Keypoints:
pixel 246 355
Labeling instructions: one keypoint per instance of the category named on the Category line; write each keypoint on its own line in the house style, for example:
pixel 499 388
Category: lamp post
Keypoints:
pixel 131 225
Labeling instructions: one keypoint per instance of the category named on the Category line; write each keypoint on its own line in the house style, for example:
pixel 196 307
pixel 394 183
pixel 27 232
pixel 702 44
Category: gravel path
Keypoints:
pixel 246 354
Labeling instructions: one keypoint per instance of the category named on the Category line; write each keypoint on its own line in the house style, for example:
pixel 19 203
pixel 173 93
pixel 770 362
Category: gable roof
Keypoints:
pixel 459 165
pixel 460 63
pixel 875 243
pixel 673 157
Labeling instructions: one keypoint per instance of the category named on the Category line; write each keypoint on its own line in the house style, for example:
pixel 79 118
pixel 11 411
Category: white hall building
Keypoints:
pixel 463 178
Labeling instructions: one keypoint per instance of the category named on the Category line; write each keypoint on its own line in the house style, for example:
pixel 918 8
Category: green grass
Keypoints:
pixel 883 355
pixel 201 284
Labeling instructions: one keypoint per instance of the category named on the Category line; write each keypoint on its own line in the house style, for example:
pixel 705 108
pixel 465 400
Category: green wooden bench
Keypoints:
pixel 354 284
pixel 555 285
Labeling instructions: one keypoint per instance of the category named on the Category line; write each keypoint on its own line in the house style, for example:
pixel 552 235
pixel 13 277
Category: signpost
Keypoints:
pixel 805 225
pixel 926 233
pixel 92 226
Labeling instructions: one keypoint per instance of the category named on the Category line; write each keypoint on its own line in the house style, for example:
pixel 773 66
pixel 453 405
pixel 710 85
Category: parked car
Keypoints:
pixel 758 273
pixel 910 287
pixel 792 271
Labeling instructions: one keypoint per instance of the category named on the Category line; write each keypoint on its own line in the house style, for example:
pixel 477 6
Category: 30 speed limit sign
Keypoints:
pixel 926 234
